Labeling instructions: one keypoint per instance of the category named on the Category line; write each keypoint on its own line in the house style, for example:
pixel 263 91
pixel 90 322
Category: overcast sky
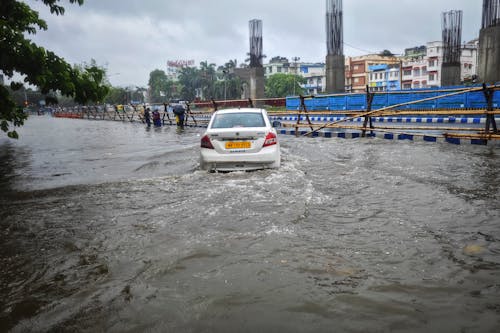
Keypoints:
pixel 131 38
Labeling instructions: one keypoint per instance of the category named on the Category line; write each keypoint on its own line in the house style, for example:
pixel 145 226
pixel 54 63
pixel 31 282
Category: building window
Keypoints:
pixel 407 72
pixel 416 71
pixel 432 77
pixel 356 80
pixel 278 69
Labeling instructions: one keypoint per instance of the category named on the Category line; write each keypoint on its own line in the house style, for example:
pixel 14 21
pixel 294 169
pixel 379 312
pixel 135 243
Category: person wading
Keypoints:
pixel 147 117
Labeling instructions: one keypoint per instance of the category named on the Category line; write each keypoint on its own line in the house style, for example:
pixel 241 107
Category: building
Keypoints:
pixel 279 65
pixel 414 73
pixel 315 75
pixel 357 75
pixel 384 77
pixel 416 52
pixel 425 71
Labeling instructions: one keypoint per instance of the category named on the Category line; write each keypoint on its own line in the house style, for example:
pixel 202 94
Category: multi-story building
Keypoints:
pixel 315 77
pixel 279 65
pixel 423 72
pixel 357 70
pixel 314 73
pixel 414 73
pixel 420 67
pixel 384 77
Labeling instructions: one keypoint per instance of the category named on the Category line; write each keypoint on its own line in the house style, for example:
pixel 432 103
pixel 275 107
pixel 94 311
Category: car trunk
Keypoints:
pixel 238 140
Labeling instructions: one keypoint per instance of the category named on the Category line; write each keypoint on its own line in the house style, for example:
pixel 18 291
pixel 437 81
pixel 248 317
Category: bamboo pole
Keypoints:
pixel 394 112
pixel 395 106
pixel 418 128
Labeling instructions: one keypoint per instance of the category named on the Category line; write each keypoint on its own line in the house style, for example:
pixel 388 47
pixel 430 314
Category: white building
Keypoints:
pixel 279 65
pixel 425 71
pixel 415 73
pixel 315 75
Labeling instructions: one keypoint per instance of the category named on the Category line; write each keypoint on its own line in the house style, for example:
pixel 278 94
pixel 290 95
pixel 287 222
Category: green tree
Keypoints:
pixel 282 85
pixel 116 95
pixel 189 79
pixel 386 53
pixel 39 67
pixel 161 89
pixel 207 79
pixel 228 85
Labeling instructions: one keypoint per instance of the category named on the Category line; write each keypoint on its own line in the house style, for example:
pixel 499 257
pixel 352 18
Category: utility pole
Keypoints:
pixel 225 79
pixel 295 60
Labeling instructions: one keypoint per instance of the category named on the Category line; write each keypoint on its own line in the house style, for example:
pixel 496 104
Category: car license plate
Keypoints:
pixel 238 144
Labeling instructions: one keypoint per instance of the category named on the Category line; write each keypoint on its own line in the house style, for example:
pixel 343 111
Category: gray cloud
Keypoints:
pixel 133 37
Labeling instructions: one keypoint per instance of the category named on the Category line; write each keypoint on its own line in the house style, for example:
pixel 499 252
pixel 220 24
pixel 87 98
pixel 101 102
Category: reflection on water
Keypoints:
pixel 107 226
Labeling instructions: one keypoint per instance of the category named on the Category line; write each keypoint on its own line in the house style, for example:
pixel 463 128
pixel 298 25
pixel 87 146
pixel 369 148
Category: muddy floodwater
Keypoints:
pixel 110 227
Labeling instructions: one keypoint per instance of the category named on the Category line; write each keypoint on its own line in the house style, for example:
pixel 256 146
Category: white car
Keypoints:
pixel 239 139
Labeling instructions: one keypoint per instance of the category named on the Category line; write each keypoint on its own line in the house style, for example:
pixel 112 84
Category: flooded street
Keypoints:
pixel 108 226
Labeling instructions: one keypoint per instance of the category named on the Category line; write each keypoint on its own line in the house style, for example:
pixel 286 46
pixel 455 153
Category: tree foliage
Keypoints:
pixel 161 89
pixel 39 67
pixel 386 53
pixel 282 85
pixel 208 82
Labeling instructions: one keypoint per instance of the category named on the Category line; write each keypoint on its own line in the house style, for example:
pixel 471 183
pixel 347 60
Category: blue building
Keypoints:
pixel 384 77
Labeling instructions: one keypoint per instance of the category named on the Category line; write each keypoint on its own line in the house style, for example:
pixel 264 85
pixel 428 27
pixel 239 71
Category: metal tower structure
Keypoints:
pixel 335 60
pixel 334 27
pixel 452 47
pixel 256 43
pixel 491 13
pixel 452 36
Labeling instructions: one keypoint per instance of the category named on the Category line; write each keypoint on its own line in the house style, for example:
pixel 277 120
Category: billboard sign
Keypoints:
pixel 180 63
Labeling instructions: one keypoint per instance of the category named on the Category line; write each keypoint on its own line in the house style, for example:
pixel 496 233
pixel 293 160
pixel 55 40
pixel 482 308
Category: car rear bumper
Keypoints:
pixel 268 157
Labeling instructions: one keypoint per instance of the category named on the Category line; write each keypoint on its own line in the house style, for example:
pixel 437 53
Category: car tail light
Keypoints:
pixel 206 143
pixel 270 140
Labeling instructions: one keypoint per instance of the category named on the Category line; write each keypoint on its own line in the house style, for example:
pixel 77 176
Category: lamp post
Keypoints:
pixel 225 79
pixel 295 59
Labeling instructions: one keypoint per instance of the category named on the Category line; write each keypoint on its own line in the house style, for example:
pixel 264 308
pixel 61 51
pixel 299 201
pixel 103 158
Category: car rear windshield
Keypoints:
pixel 240 119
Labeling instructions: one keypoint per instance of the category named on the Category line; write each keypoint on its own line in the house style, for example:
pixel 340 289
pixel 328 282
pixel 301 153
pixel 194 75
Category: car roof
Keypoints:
pixel 240 110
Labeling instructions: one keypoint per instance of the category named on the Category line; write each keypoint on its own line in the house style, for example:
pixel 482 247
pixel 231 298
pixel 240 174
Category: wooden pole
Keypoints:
pixel 369 100
pixel 303 108
pixel 490 118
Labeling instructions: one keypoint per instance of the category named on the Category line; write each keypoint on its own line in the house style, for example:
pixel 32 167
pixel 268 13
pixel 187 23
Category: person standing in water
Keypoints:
pixel 179 112
pixel 156 118
pixel 147 117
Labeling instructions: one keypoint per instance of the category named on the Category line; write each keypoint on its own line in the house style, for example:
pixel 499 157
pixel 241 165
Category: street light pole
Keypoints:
pixel 295 59
pixel 225 79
